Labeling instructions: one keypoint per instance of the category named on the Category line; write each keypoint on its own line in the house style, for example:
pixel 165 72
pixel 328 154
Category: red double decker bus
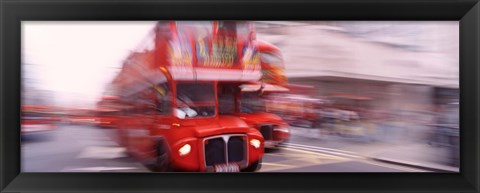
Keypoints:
pixel 107 112
pixel 170 88
pixel 253 100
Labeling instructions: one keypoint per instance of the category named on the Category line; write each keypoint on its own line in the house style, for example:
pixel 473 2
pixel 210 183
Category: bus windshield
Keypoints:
pixel 195 100
pixel 252 102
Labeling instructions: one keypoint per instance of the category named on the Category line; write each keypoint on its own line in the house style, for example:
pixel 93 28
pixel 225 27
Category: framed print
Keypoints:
pixel 239 96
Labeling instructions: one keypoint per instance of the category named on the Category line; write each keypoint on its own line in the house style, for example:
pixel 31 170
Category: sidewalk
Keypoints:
pixel 414 154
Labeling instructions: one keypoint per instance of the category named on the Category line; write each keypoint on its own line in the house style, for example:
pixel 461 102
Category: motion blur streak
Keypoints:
pixel 343 96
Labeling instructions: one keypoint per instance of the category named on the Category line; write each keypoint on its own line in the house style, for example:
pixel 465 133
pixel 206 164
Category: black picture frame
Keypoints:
pixel 12 12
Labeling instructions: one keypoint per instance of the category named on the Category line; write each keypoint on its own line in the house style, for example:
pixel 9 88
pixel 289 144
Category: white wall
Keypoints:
pixel 316 50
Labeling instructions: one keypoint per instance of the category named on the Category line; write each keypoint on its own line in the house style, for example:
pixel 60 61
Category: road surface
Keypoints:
pixel 84 148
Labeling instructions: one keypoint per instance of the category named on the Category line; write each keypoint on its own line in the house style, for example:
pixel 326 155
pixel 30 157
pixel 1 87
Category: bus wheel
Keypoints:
pixel 162 161
pixel 254 167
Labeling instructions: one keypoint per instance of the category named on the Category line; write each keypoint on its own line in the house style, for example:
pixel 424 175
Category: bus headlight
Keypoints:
pixel 255 143
pixel 184 150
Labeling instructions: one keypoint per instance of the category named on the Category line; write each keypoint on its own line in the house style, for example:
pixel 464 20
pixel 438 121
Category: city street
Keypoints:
pixel 82 148
pixel 339 95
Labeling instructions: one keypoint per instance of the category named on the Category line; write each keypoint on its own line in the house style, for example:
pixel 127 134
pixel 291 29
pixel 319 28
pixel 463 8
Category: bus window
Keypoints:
pixel 196 99
pixel 243 29
pixel 201 30
pixel 226 99
pixel 251 102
